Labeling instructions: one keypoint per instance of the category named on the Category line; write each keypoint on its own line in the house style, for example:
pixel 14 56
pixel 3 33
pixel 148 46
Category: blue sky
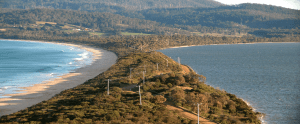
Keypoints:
pixel 292 4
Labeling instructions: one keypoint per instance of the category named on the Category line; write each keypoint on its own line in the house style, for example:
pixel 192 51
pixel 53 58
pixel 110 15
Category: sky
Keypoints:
pixel 292 4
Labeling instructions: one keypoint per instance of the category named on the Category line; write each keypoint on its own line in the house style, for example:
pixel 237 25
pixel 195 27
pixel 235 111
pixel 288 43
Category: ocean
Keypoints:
pixel 265 75
pixel 24 64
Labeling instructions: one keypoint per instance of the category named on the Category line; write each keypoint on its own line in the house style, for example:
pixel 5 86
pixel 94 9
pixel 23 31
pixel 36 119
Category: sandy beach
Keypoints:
pixel 32 95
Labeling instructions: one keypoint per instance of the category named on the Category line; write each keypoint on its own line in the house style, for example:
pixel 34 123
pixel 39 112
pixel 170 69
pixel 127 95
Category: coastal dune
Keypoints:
pixel 32 95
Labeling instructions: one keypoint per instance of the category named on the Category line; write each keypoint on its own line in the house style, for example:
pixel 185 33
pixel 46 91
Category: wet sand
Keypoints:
pixel 32 95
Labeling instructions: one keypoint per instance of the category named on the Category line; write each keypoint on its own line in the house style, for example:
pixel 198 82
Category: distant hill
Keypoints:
pixel 102 22
pixel 106 5
pixel 249 15
pixel 190 17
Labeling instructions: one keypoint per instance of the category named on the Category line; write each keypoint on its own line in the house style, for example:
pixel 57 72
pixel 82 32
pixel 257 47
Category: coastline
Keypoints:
pixel 32 95
pixel 265 115
pixel 261 116
pixel 221 44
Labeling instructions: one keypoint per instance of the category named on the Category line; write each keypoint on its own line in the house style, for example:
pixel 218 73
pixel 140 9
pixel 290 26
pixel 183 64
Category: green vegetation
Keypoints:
pixel 241 16
pixel 107 5
pixel 241 20
pixel 100 22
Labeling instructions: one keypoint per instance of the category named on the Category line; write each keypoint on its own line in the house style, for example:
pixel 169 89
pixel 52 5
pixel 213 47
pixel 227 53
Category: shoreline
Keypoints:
pixel 45 90
pixel 220 44
pixel 261 116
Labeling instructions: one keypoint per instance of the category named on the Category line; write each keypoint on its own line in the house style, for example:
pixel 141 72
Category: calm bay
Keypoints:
pixel 265 75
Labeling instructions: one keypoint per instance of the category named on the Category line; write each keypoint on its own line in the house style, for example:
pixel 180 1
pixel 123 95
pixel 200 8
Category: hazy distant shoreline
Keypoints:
pixel 222 44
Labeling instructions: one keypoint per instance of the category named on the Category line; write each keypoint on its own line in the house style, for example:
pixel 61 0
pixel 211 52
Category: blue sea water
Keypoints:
pixel 24 64
pixel 265 75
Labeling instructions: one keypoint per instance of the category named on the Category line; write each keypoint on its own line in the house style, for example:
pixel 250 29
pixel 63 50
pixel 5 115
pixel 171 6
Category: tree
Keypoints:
pixel 158 99
pixel 178 95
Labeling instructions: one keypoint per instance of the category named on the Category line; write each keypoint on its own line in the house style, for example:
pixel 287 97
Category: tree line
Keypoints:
pixel 123 45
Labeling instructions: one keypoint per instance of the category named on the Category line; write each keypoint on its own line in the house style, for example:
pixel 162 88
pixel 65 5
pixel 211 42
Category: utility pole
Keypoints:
pixel 198 111
pixel 140 95
pixel 143 77
pixel 179 61
pixel 156 66
pixel 167 63
pixel 130 72
pixel 108 87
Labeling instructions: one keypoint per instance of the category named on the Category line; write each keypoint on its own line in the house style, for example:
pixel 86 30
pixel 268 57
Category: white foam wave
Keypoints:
pixel 6 87
pixel 84 55
pixel 71 48
pixel 78 59
pixel 261 116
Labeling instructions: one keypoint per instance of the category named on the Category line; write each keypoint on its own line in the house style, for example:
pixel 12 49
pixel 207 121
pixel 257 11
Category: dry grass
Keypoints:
pixel 185 70
pixel 188 114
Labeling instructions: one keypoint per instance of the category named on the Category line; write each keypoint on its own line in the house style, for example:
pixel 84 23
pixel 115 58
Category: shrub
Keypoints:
pixel 147 95
pixel 178 95
pixel 158 99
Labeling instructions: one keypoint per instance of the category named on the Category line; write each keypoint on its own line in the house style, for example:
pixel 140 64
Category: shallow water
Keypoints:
pixel 27 63
pixel 266 75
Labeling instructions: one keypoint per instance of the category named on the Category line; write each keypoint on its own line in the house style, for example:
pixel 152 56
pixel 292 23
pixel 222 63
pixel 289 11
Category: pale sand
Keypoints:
pixel 102 60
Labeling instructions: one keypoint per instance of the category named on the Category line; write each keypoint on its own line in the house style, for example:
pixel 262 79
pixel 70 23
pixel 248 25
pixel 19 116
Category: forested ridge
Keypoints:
pixel 107 5
pixel 225 21
pixel 102 22
pixel 249 15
